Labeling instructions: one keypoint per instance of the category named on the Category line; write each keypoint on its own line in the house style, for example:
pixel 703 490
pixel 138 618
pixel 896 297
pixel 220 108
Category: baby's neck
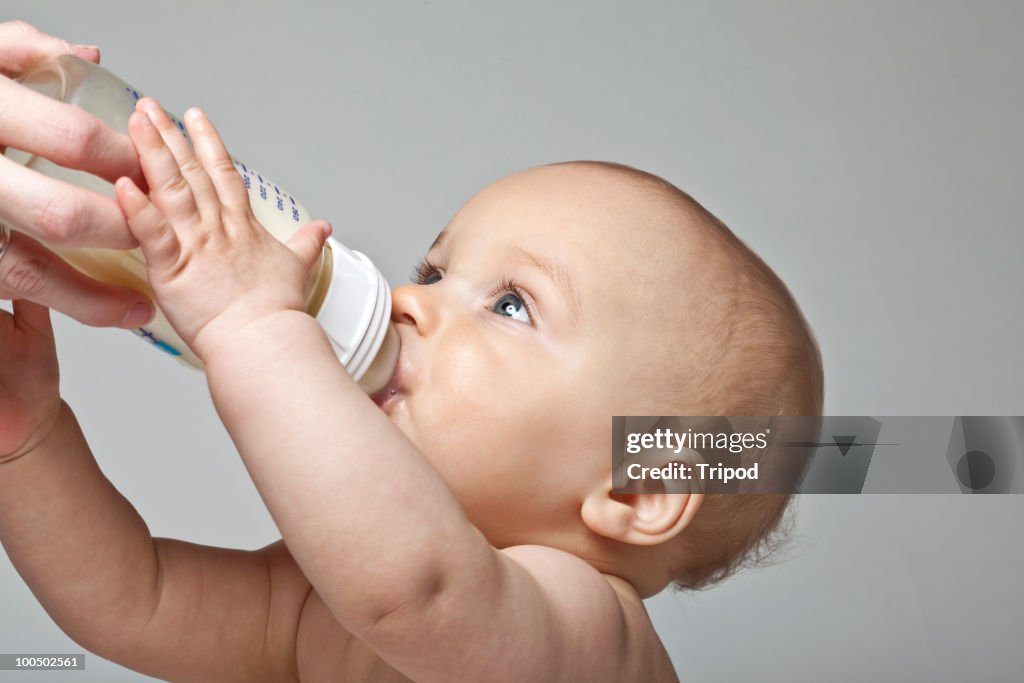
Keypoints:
pixel 639 567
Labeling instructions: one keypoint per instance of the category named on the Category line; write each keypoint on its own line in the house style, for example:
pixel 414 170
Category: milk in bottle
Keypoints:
pixel 347 295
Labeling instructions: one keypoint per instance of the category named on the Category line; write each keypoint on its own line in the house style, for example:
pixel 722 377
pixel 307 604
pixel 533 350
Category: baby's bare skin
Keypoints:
pixel 181 611
pixel 327 652
pixel 463 530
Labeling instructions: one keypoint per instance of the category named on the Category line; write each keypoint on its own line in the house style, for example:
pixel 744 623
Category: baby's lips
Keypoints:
pixel 383 371
pixel 392 387
pixel 382 396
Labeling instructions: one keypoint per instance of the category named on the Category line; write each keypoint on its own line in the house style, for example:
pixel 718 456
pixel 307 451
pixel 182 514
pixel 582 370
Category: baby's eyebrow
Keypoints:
pixel 555 271
pixel 437 240
pixel 560 277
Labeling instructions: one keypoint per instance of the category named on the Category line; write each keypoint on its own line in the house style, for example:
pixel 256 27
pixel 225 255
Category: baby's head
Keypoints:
pixel 566 294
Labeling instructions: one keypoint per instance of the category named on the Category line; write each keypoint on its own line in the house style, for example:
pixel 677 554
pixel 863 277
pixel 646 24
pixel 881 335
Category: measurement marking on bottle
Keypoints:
pixel 151 338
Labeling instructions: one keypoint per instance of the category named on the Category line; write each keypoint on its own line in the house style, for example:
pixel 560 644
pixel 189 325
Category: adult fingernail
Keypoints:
pixel 139 314
pixel 86 49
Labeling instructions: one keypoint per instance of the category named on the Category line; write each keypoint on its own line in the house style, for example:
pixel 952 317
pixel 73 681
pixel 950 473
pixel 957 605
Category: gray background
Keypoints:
pixel 870 152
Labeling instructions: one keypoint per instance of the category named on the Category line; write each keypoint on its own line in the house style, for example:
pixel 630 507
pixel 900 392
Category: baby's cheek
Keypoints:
pixel 477 402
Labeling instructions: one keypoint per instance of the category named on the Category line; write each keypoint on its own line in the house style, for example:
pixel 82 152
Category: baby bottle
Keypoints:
pixel 348 296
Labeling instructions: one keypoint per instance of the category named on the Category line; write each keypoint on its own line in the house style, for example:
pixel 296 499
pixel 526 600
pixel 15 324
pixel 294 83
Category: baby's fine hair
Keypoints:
pixel 763 361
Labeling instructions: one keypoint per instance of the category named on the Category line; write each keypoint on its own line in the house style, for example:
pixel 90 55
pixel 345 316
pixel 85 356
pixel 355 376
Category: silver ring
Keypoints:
pixel 5 240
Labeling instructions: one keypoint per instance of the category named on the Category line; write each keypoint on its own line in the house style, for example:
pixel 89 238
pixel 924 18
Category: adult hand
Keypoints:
pixel 54 211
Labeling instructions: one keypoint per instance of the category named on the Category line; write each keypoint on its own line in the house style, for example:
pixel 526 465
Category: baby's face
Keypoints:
pixel 541 312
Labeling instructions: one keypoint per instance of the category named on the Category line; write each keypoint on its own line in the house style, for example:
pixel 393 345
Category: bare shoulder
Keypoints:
pixel 603 615
pixel 648 646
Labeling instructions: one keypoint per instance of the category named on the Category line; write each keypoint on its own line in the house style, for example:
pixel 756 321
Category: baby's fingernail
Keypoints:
pixel 147 105
pixel 139 314
pixel 194 114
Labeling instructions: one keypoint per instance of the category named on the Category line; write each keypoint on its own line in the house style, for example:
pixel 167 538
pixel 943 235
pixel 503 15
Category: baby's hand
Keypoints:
pixel 213 266
pixel 29 378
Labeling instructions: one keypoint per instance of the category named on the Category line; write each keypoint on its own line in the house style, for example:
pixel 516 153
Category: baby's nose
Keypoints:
pixel 414 305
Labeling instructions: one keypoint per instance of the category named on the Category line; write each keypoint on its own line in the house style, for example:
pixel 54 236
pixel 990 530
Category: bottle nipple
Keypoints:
pixel 379 374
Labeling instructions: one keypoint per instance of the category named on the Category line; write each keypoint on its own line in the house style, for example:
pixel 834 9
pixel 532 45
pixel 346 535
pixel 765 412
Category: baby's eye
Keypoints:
pixel 511 301
pixel 425 273
pixel 512 306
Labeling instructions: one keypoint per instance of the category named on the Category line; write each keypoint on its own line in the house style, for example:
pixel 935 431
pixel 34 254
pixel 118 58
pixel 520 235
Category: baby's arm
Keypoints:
pixel 370 522
pixel 170 609
pixel 78 544
pixel 384 541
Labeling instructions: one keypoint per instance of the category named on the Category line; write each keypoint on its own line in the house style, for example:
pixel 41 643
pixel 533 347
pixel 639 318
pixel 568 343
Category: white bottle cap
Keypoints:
pixel 356 311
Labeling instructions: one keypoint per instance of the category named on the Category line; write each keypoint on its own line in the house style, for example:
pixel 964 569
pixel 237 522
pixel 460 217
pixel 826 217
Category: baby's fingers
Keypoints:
pixel 191 169
pixel 169 188
pixel 215 159
pixel 159 243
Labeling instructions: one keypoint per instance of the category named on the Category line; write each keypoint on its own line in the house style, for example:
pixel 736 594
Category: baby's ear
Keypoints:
pixel 638 518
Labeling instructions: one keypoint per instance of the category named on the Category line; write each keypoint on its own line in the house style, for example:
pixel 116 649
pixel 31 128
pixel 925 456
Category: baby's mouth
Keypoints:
pixel 382 373
pixel 383 397
pixel 389 393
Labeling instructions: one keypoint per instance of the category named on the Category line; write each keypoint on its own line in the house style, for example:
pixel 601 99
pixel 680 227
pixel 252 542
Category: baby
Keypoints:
pixel 460 526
